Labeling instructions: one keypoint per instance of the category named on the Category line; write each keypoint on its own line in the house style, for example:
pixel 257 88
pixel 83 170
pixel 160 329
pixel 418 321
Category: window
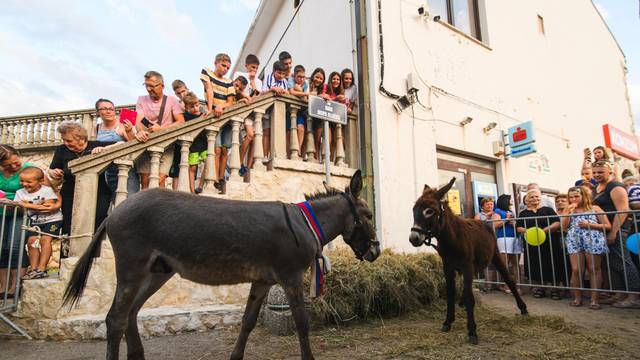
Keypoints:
pixel 463 14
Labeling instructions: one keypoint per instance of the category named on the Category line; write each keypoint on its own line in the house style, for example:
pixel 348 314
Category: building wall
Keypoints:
pixel 319 36
pixel 569 81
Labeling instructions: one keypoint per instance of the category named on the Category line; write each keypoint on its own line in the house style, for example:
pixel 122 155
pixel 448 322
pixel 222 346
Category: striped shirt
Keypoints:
pixel 270 82
pixel 222 87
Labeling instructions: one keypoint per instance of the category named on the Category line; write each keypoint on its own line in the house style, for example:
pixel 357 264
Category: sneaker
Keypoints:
pixel 198 190
pixel 243 170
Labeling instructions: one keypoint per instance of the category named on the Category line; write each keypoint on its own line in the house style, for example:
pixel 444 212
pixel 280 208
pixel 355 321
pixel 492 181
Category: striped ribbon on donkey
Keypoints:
pixel 317 271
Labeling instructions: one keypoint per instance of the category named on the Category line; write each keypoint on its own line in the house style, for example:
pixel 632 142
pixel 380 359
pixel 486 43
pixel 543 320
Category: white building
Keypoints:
pixel 496 63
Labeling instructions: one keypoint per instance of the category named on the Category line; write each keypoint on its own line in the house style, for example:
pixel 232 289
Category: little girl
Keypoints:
pixel 319 88
pixel 585 242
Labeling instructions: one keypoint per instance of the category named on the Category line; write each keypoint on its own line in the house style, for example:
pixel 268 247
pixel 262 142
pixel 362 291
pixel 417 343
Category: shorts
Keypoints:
pixel 248 121
pixel 510 245
pixel 53 227
pixel 301 119
pixel 196 157
pixel 224 137
pixel 144 162
pixel 319 124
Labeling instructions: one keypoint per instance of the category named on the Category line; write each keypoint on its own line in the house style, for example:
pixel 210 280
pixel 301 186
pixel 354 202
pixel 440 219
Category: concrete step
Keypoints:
pixel 151 322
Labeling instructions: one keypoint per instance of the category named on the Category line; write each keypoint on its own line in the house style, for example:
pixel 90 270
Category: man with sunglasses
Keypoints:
pixel 156 111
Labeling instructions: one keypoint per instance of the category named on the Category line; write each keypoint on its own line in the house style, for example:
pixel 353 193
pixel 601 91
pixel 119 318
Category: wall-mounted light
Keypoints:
pixel 490 126
pixel 466 121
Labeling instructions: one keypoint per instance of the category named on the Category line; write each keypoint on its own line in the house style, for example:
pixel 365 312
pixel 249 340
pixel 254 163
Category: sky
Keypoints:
pixel 64 54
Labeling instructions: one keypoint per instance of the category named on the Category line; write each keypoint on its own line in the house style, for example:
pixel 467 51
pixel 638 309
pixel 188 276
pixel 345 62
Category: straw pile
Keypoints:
pixel 392 285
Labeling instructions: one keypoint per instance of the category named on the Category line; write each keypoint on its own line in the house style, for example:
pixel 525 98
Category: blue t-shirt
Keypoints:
pixel 507 230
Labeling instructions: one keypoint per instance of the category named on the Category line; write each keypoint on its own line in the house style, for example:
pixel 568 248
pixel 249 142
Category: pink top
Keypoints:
pixel 151 109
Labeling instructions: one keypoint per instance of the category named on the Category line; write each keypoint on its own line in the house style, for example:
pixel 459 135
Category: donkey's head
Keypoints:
pixel 428 214
pixel 359 232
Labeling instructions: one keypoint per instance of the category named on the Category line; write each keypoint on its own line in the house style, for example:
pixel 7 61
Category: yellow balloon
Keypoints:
pixel 535 236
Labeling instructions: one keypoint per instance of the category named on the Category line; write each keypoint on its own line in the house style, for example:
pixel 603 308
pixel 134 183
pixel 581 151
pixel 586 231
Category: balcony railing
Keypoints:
pixel 39 130
pixel 87 169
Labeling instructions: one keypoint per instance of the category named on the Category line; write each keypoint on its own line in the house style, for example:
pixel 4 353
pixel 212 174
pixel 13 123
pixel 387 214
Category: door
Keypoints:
pixel 466 170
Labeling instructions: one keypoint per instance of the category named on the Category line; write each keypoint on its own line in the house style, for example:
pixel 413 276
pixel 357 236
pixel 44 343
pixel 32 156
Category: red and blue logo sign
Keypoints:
pixel 521 139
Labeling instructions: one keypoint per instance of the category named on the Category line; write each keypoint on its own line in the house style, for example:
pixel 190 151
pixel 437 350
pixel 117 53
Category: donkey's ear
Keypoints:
pixel 426 187
pixel 443 190
pixel 356 183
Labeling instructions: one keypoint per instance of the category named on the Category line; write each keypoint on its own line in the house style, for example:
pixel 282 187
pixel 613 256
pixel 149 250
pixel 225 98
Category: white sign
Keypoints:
pixel 331 111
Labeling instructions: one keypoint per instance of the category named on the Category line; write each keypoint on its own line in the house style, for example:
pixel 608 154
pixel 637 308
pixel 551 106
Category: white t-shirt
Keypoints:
pixel 248 90
pixel 38 198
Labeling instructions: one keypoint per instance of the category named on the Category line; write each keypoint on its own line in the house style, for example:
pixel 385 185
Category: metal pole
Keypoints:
pixel 327 153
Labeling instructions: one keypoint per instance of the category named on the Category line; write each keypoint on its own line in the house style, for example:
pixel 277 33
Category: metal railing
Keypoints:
pixel 549 263
pixel 12 254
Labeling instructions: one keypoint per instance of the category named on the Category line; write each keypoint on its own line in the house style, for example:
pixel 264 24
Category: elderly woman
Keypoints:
pixel 611 195
pixel 11 165
pixel 543 263
pixel 75 144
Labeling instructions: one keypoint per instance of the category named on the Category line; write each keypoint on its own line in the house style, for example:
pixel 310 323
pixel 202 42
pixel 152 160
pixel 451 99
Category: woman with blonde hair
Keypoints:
pixel 585 242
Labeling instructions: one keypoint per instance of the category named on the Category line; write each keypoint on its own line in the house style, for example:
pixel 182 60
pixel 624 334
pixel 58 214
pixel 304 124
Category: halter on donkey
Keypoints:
pixel 465 246
pixel 158 233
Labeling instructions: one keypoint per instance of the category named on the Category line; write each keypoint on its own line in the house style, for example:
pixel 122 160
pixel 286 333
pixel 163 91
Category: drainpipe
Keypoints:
pixel 366 110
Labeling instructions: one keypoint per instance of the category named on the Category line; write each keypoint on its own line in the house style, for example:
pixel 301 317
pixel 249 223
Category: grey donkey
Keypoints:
pixel 158 233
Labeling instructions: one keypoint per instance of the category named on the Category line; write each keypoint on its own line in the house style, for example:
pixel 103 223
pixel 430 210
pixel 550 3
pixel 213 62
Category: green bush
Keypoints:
pixel 392 285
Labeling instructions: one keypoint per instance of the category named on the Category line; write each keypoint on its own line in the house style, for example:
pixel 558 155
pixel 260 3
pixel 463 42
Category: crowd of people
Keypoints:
pixel 584 246
pixel 46 196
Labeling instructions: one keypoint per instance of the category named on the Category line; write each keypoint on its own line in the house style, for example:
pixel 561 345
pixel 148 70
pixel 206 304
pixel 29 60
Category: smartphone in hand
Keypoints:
pixel 126 114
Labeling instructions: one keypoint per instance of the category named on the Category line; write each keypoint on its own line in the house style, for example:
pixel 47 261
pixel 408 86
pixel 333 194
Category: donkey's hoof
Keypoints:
pixel 473 339
pixel 524 312
pixel 446 327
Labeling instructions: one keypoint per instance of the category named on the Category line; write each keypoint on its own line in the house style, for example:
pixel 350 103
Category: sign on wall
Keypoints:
pixel 521 139
pixel 621 142
pixel 453 196
pixel 331 111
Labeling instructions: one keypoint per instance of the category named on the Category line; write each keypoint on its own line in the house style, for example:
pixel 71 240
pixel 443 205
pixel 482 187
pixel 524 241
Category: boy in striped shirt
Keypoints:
pixel 220 94
pixel 275 82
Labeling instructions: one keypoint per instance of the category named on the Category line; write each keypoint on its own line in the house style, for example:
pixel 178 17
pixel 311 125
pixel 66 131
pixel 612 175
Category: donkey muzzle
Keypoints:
pixel 418 236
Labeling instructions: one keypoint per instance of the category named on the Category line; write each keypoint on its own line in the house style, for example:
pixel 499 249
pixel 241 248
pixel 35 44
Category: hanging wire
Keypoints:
pixel 381 88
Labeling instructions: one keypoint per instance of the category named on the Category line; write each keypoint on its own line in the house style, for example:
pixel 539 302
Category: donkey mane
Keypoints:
pixel 329 192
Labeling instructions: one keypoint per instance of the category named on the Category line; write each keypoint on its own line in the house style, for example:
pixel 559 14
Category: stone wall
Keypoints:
pixel 40 311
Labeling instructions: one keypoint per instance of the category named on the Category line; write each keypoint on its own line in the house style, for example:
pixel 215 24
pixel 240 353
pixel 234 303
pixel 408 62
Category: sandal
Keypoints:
pixel 595 306
pixel 576 303
pixel 539 293
pixel 555 295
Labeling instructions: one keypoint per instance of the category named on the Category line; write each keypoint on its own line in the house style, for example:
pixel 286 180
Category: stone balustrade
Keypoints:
pixel 292 157
pixel 39 130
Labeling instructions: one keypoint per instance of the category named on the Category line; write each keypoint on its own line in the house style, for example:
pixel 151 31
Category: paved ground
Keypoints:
pixel 503 336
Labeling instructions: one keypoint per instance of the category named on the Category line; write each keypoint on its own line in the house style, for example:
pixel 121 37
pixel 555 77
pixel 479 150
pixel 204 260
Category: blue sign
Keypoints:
pixel 521 134
pixel 523 150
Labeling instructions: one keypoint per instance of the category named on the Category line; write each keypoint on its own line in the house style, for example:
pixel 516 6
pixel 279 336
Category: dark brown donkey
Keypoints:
pixel 465 246
pixel 158 233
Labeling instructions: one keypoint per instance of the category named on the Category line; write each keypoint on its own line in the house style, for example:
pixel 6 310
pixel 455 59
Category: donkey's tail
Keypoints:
pixel 78 282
